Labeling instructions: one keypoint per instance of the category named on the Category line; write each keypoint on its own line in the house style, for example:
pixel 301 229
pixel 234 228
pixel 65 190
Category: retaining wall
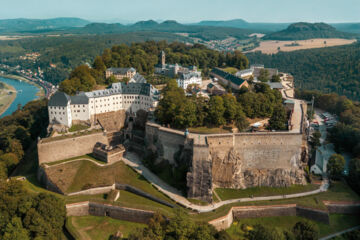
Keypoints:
pixel 116 212
pixel 269 211
pixel 343 208
pixel 55 150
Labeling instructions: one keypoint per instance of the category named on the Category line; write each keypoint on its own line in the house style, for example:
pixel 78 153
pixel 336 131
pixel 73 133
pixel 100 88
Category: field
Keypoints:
pixel 269 47
pixel 7 96
pixel 92 227
pixel 226 193
pixel 338 222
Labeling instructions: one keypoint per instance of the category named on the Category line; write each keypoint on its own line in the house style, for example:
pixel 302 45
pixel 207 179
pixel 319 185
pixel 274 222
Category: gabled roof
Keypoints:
pixel 80 98
pixel 227 76
pixel 275 85
pixel 138 78
pixel 59 99
pixel 121 71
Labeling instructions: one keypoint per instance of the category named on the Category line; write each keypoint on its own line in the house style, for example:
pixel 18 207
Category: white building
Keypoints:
pixel 64 109
pixel 185 79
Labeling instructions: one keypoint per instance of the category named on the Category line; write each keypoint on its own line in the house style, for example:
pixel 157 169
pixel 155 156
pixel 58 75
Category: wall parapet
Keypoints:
pixel 102 209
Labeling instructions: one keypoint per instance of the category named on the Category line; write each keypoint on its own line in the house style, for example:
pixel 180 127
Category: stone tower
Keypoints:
pixel 163 62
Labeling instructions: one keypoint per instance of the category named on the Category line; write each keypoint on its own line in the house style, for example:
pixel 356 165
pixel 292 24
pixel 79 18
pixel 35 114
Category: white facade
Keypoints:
pixel 189 78
pixel 84 106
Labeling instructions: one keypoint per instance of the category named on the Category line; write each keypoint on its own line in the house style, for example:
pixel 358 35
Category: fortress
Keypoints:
pixel 231 160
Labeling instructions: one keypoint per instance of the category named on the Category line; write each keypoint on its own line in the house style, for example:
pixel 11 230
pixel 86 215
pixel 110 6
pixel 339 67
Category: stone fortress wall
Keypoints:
pixel 55 150
pixel 234 160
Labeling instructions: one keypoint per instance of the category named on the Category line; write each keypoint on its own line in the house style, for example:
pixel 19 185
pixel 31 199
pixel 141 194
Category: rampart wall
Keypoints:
pixel 234 160
pixel 116 212
pixel 237 213
pixel 55 150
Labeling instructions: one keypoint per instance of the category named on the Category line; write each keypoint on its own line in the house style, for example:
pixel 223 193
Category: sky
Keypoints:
pixel 186 11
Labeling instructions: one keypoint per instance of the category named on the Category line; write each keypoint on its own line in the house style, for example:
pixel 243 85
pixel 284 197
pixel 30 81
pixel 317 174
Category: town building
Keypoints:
pixel 229 79
pixel 84 106
pixel 215 88
pixel 190 78
pixel 255 71
pixel 120 73
pixel 185 75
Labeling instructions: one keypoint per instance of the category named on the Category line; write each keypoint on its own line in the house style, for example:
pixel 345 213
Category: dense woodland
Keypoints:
pixel 143 57
pixel 333 69
pixel 181 227
pixel 68 52
pixel 304 30
pixel 179 111
pixel 25 215
pixel 345 135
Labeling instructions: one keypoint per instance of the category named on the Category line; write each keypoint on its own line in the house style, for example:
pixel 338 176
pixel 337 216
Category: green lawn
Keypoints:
pixel 206 130
pixel 227 193
pixel 99 228
pixel 198 202
pixel 339 191
pixel 80 175
pixel 87 156
pixel 87 132
pixel 231 70
pixel 78 127
pixel 338 222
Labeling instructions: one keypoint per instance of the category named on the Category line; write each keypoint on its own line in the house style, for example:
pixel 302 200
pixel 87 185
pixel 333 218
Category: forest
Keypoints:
pixel 331 69
pixel 179 111
pixel 345 135
pixel 143 57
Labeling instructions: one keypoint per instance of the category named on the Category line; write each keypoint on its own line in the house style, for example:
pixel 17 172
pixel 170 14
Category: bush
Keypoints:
pixel 305 230
pixel 335 167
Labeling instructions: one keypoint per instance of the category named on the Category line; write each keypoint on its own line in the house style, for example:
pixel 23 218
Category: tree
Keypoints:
pixel 240 119
pixel 111 79
pixel 264 75
pixel 275 78
pixel 335 166
pixel 304 230
pixel 216 111
pixel 315 139
pixel 278 118
pixel 354 173
pixel 230 105
pixel 15 231
pixel 264 233
pixel 99 64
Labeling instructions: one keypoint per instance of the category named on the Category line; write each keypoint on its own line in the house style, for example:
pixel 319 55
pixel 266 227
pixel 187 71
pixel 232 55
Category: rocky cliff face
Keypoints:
pixel 228 172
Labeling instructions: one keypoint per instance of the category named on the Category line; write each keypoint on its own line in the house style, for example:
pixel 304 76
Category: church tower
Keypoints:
pixel 163 61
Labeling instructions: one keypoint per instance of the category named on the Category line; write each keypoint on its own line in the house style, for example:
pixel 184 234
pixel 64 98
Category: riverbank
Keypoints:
pixel 40 93
pixel 6 99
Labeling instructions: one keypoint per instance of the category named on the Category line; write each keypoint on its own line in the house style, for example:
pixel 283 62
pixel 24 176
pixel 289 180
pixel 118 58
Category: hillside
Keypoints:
pixel 303 31
pixel 25 25
pixel 169 26
pixel 240 23
pixel 331 69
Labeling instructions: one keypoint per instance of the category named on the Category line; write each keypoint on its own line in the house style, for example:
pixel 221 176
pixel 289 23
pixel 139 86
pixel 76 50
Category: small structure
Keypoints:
pixel 108 154
pixel 215 88
pixel 229 79
pixel 275 85
pixel 120 73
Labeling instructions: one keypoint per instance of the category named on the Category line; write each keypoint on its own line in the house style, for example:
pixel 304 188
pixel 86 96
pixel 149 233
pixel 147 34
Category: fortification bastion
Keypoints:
pixel 234 160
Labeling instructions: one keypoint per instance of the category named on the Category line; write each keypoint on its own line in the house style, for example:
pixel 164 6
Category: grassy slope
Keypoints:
pixel 226 193
pixel 83 174
pixel 338 222
pixel 101 227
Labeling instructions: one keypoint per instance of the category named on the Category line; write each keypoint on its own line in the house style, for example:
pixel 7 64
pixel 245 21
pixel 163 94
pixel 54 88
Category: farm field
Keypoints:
pixel 271 46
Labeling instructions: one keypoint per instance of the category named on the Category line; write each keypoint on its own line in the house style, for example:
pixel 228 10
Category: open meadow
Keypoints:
pixel 272 46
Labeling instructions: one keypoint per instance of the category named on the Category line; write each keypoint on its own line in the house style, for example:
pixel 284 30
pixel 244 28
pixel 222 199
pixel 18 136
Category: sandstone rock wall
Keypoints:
pixel 239 160
pixel 55 150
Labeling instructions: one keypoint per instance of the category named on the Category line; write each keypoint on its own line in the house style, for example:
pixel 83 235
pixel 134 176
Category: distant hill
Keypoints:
pixel 347 27
pixel 240 23
pixel 303 31
pixel 31 25
pixel 169 26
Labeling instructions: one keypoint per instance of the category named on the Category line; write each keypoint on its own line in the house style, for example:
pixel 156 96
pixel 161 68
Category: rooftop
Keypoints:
pixel 229 77
pixel 59 99
pixel 121 71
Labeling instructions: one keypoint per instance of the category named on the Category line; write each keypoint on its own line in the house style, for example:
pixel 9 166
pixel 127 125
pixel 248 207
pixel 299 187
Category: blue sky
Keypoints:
pixel 186 10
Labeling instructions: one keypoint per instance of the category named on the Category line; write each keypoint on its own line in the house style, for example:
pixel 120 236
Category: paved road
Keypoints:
pixel 133 161
pixel 323 152
pixel 340 233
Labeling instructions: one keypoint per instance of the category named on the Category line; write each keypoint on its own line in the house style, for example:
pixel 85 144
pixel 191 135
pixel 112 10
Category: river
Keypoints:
pixel 26 92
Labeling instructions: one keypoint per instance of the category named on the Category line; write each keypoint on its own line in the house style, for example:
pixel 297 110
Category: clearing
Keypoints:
pixel 338 222
pixel 271 46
